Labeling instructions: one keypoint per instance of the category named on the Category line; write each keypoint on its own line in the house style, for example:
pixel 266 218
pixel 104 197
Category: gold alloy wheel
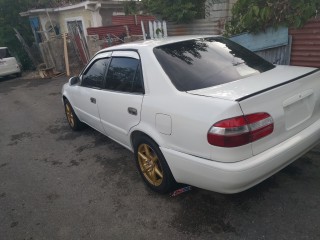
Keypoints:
pixel 149 165
pixel 69 115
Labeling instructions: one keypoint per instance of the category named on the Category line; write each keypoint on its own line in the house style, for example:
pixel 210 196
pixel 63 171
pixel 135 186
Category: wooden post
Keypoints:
pixel 66 58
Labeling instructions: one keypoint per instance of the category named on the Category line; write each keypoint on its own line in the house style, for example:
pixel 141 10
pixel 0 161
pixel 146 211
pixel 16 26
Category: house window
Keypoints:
pixel 74 27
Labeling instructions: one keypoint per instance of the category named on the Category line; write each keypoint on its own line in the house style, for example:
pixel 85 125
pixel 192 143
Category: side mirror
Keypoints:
pixel 74 80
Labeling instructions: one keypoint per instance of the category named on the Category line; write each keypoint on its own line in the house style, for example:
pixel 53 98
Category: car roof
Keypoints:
pixel 151 43
pixel 3 48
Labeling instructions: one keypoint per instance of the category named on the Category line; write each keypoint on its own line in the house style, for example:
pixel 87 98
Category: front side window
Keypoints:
pixel 94 76
pixel 203 63
pixel 124 75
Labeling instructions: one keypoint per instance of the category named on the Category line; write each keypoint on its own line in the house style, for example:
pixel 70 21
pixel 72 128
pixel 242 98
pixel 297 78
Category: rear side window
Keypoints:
pixel 4 53
pixel 138 81
pixel 124 75
pixel 94 76
pixel 202 63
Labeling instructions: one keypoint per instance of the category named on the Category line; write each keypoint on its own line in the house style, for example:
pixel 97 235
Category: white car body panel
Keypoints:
pixel 9 66
pixel 114 108
pixel 293 106
pixel 86 110
pixel 190 124
pixel 179 121
pixel 245 87
pixel 115 119
pixel 239 176
pixel 300 112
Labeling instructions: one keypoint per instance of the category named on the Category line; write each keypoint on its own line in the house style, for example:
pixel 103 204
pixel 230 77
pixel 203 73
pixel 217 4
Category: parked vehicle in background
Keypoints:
pixel 8 64
pixel 202 110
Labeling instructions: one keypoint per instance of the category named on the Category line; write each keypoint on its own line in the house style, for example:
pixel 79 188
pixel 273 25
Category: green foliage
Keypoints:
pixel 180 11
pixel 131 7
pixel 258 15
pixel 9 19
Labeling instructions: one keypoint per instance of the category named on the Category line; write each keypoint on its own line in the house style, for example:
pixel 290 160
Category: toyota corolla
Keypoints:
pixel 198 110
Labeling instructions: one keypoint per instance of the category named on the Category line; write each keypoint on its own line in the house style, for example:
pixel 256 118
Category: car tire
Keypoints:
pixel 152 165
pixel 19 74
pixel 72 118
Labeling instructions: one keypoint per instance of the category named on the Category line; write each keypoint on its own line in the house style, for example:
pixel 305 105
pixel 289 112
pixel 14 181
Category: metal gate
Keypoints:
pixel 75 29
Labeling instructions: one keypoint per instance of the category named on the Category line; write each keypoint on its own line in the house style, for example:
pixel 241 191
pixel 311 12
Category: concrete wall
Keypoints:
pixel 63 17
pixel 75 15
pixel 94 44
pixel 95 17
pixel 88 18
pixel 106 15
pixel 52 54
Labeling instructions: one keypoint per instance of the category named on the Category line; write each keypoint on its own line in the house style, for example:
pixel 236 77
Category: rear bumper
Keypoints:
pixel 239 176
pixel 11 71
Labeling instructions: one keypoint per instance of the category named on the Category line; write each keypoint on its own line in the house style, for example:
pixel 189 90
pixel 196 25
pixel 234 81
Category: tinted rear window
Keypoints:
pixel 202 63
pixel 4 53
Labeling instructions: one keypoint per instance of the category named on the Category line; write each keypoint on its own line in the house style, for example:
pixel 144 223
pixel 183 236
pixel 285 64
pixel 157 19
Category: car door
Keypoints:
pixel 120 106
pixel 85 97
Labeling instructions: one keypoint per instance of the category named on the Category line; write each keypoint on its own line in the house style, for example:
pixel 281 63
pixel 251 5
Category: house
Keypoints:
pixel 64 19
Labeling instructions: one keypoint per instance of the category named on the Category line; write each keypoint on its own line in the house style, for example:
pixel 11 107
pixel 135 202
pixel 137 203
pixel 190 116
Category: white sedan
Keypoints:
pixel 198 110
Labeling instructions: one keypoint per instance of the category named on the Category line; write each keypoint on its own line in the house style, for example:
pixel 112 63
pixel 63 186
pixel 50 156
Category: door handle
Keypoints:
pixel 132 111
pixel 93 100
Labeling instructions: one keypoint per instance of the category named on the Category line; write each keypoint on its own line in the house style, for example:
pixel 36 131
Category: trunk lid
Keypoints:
pixel 291 95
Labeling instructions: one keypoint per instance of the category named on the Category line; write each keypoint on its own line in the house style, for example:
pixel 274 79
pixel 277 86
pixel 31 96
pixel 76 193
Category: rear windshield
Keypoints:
pixel 208 62
pixel 4 53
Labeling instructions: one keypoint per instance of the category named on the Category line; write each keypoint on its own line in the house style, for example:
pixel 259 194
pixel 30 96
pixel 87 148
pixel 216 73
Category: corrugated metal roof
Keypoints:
pixel 131 19
pixel 120 25
pixel 305 49
pixel 202 26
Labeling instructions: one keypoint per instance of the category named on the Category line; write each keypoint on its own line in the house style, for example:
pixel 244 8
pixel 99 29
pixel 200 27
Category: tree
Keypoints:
pixel 258 15
pixel 9 19
pixel 132 7
pixel 180 11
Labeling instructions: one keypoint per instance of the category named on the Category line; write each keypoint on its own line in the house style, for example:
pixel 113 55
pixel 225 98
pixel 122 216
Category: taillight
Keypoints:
pixel 241 130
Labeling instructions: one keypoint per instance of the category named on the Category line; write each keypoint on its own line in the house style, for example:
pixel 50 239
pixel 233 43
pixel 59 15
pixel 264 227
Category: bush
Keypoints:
pixel 257 15
pixel 180 11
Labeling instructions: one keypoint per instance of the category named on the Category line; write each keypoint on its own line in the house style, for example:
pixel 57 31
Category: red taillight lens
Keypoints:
pixel 238 131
